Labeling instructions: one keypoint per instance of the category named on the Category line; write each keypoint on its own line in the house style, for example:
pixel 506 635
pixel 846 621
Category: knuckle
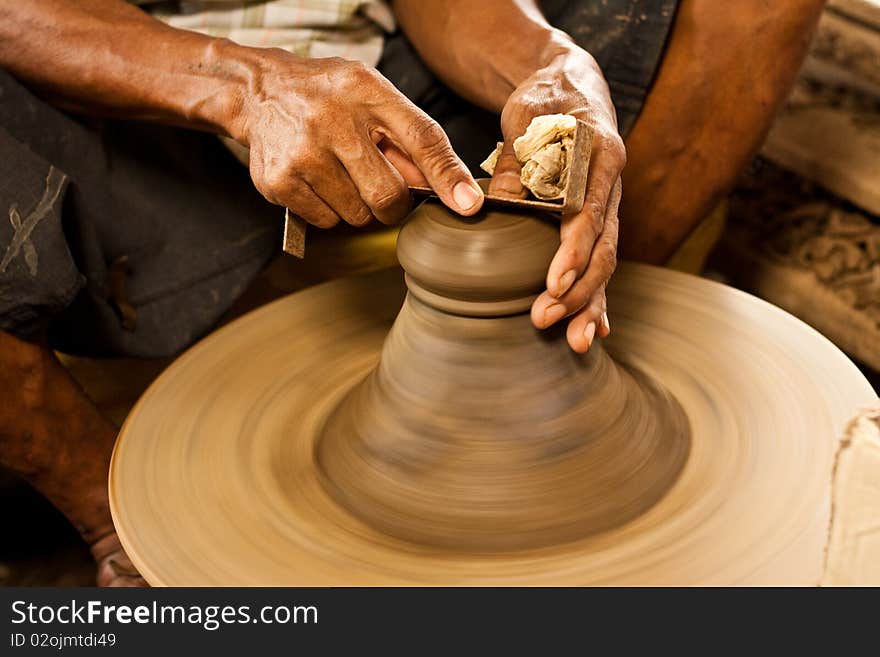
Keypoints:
pixel 613 145
pixel 385 199
pixel 301 161
pixel 615 142
pixel 574 254
pixel 273 182
pixel 360 70
pixel 428 136
pixel 362 215
pixel 324 221
pixel 265 189
pixel 355 73
pixel 599 300
pixel 446 164
pixel 619 154
pixel 608 261
pixel 597 212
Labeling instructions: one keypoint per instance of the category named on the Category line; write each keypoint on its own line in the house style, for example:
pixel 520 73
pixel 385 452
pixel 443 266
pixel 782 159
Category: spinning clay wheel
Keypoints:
pixel 313 443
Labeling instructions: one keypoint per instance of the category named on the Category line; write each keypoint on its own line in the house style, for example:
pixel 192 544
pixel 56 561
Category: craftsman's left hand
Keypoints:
pixel 572 84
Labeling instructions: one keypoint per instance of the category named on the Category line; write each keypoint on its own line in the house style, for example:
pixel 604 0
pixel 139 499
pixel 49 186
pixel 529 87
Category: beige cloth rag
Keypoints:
pixel 544 153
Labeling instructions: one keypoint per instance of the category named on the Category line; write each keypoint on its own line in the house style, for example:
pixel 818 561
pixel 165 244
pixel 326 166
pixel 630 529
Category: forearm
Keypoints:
pixel 109 58
pixel 482 50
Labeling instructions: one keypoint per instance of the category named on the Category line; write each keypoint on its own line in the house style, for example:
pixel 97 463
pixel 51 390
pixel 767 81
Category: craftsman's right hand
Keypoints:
pixel 333 140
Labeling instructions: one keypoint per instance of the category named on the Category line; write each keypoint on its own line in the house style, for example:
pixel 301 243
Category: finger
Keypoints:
pixel 379 184
pixel 587 324
pixel 336 189
pixel 428 146
pixel 604 255
pixel 506 179
pixel 404 165
pixel 301 199
pixel 547 309
pixel 603 261
pixel 580 231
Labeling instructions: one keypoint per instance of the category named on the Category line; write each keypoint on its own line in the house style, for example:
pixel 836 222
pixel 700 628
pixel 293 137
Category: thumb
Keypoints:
pixel 506 179
pixel 427 145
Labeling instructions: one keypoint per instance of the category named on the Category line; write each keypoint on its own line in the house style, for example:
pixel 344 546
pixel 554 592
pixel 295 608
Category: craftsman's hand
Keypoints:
pixel 572 84
pixel 332 139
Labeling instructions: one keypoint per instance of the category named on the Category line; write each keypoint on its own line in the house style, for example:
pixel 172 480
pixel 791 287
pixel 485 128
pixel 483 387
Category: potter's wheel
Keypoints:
pixel 220 475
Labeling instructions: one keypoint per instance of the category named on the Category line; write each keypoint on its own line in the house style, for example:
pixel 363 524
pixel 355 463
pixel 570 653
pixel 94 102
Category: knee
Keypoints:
pixel 25 369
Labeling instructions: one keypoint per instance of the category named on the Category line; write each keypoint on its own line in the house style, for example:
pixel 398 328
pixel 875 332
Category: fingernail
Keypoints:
pixel 553 314
pixel 606 321
pixel 565 282
pixel 465 196
pixel 589 333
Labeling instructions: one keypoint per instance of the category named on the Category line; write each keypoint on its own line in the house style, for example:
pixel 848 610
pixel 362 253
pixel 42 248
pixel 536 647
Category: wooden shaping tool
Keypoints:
pixel 294 234
pixel 572 198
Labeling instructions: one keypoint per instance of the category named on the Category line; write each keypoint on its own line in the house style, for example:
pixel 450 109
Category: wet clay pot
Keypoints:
pixel 478 432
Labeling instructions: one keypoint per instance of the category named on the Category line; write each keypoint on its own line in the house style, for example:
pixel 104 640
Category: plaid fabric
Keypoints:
pixel 352 29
